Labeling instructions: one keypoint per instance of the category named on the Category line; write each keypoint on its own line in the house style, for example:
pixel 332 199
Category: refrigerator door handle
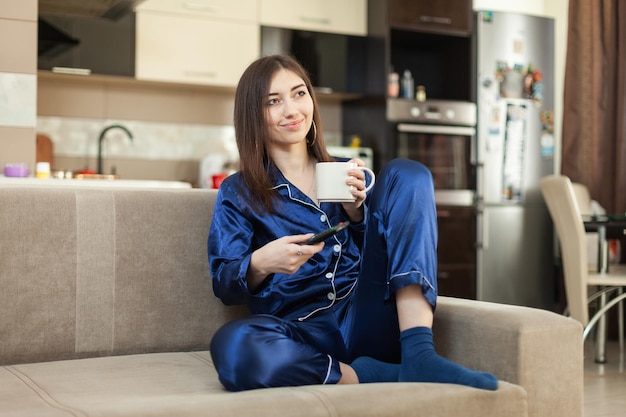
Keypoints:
pixel 479 177
pixel 482 230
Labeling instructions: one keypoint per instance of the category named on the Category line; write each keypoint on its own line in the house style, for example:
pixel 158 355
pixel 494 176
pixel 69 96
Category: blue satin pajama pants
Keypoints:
pixel 399 249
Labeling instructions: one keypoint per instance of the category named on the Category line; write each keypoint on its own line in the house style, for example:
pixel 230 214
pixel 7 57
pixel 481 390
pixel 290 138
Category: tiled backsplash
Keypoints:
pixel 18 98
pixel 175 128
pixel 164 151
pixel 74 137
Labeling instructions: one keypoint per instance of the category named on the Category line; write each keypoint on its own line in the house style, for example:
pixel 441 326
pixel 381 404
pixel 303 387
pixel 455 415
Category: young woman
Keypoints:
pixel 356 308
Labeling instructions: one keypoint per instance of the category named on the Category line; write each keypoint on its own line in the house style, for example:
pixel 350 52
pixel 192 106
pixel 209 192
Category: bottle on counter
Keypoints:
pixel 420 93
pixel 407 88
pixel 393 84
pixel 42 170
pixel 355 141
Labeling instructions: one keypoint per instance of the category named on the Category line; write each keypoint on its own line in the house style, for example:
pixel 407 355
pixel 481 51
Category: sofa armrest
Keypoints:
pixel 536 349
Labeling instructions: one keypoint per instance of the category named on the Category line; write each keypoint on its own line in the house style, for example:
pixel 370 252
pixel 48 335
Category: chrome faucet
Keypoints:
pixel 104 131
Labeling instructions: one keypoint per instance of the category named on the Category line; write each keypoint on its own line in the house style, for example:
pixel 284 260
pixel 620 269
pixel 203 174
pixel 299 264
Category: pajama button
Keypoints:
pixel 329 275
pixel 331 296
pixel 323 218
pixel 337 248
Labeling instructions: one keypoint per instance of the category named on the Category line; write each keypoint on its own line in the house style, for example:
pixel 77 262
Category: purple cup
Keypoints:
pixel 16 170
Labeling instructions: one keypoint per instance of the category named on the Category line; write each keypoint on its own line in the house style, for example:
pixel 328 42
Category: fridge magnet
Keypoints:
pixel 536 79
pixel 501 67
pixel 494 139
pixel 547 145
pixel 520 81
pixel 512 81
pixel 547 121
pixel 547 137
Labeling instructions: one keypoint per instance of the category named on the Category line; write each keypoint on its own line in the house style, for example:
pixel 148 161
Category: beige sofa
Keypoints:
pixel 106 309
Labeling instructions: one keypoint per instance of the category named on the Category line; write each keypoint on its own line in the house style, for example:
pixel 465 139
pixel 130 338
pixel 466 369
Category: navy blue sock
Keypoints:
pixel 372 370
pixel 420 363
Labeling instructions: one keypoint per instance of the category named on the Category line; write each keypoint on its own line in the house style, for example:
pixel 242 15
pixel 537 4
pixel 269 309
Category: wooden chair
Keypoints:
pixel 560 197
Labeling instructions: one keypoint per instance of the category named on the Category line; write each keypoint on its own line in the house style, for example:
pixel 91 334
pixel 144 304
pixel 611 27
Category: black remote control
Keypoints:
pixel 327 233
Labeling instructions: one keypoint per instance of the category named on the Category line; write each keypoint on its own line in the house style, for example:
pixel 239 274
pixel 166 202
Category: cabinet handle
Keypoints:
pixel 317 20
pixel 199 6
pixel 435 19
pixel 71 71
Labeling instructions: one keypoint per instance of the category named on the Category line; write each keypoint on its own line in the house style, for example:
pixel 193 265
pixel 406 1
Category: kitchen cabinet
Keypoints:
pixel 452 17
pixel 441 63
pixel 196 42
pixel 240 10
pixel 79 44
pixel 456 251
pixel 439 58
pixel 345 16
pixel 457 281
pixel 336 63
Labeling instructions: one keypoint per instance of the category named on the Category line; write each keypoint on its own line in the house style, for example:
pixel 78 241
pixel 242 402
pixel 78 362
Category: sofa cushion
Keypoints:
pixel 94 272
pixel 185 384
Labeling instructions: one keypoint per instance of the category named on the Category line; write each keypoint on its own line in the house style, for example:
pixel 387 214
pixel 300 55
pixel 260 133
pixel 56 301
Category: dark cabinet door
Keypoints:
pixel 457 281
pixel 456 251
pixel 440 16
pixel 102 46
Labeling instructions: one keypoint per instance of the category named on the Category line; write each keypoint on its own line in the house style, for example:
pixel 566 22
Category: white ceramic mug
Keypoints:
pixel 330 180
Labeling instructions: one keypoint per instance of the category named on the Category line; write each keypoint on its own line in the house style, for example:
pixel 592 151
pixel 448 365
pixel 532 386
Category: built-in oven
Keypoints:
pixel 441 135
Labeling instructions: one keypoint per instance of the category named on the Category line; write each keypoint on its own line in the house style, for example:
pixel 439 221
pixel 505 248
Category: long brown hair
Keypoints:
pixel 252 132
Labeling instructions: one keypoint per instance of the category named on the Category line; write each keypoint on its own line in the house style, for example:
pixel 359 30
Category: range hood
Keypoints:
pixel 107 9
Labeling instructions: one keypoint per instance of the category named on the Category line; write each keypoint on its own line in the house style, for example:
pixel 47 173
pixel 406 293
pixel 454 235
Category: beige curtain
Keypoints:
pixel 594 112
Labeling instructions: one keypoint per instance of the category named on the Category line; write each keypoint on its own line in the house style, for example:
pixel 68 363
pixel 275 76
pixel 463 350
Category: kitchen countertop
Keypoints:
pixel 12 181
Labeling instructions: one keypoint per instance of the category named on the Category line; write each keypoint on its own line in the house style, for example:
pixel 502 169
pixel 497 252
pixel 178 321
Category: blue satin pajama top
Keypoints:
pixel 237 230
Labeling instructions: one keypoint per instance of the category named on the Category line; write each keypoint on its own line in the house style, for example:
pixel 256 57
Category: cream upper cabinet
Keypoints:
pixel 240 10
pixel 197 42
pixel 336 16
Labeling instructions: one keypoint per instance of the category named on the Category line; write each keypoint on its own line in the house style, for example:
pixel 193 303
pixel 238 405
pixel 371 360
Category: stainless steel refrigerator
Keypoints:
pixel 514 75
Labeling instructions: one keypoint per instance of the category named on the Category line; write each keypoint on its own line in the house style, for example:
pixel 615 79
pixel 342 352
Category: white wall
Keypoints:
pixel 557 9
pixel 18 81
